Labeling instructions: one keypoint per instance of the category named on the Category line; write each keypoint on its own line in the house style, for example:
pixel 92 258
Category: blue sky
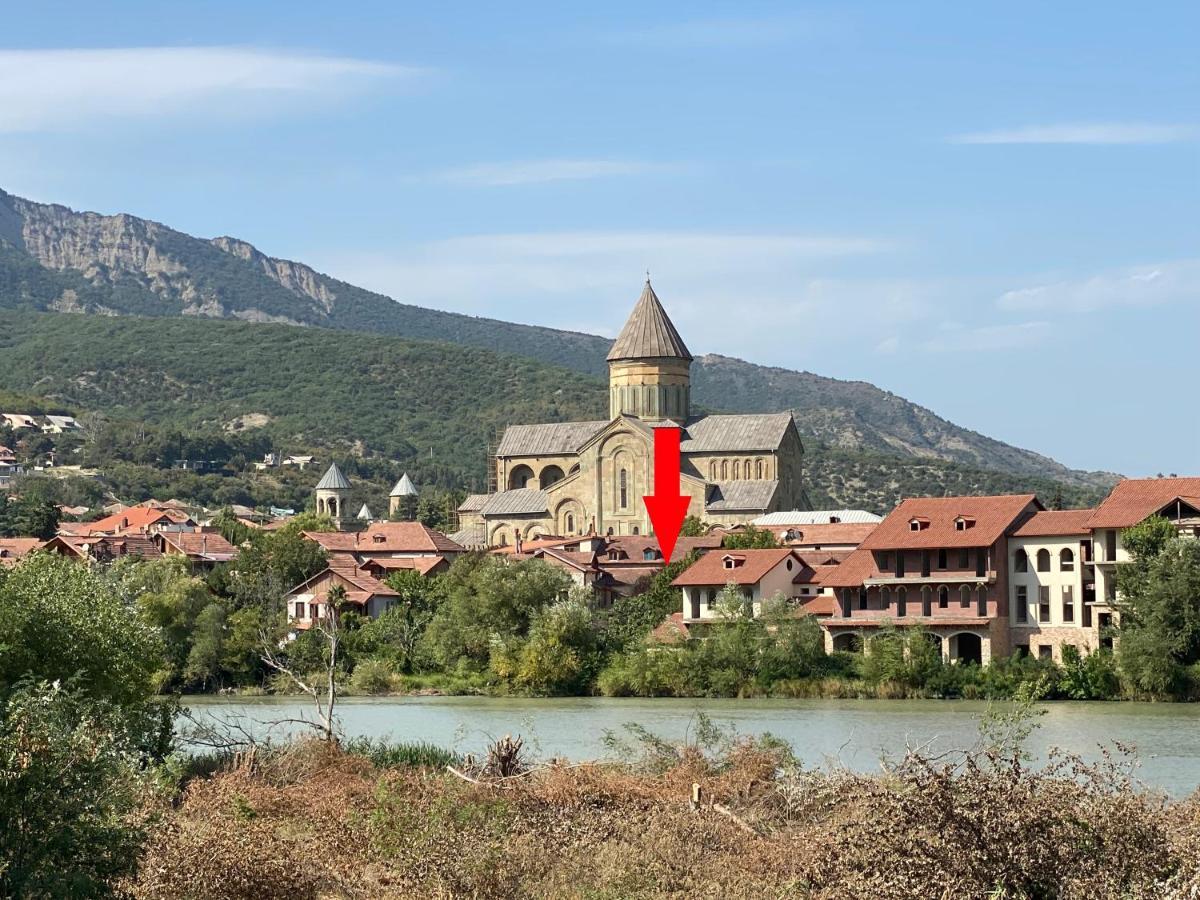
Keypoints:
pixel 989 209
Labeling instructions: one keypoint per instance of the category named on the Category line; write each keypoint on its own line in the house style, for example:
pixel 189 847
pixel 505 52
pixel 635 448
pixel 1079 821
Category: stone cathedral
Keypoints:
pixel 576 478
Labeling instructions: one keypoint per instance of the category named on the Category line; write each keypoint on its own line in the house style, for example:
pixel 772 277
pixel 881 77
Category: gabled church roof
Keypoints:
pixel 333 480
pixel 404 487
pixel 649 333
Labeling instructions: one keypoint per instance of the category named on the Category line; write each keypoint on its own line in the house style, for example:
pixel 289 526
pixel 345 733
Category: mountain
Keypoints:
pixel 387 404
pixel 55 259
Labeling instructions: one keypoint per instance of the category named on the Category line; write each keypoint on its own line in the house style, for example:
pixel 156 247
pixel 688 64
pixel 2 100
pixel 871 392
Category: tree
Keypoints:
pixel 693 526
pixel 1159 610
pixel 560 655
pixel 324 696
pixel 488 596
pixel 751 538
pixel 630 619
pixel 31 515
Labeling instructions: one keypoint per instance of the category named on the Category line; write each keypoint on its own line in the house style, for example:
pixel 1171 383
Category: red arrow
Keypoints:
pixel 666 507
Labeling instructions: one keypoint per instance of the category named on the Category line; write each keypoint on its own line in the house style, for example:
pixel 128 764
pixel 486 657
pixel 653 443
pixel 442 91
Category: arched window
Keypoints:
pixel 320 506
pixel 901 602
pixel 926 601
pixel 885 599
pixel 331 505
pixel 712 471
pixel 724 470
pixel 624 489
pixel 758 469
pixel 1043 560
pixel 964 597
pixel 1020 561
pixel 737 470
pixel 570 523
pixel 636 530
pixel 943 597
pixel 1066 560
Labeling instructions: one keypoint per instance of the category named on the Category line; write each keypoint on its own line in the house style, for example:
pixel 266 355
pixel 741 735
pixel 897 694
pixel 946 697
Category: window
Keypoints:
pixel 1045 651
pixel 1110 546
pixel 964 596
pixel 1066 560
pixel 1020 561
pixel 899 563
pixel 924 563
pixel 1021 604
pixel 737 470
pixel 712 471
pixel 1087 613
pixel 885 561
pixel 758 469
pixel 1043 560
pixel 1021 651
pixel 712 596
pixel 624 489
pixel 885 599
pixel 862 598
pixel 789 565
pixel 636 530
pixel 914 525
pixel 1068 602
pixel 981 561
pixel 964 558
pixel 570 523
pixel 298 612
pixel 943 597
pixel 1044 603
pixel 901 602
pixel 649 554
pixel 941 559
pixel 926 602
pixel 724 470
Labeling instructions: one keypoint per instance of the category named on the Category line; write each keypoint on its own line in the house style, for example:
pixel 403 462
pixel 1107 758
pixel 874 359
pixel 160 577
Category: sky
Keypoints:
pixel 987 208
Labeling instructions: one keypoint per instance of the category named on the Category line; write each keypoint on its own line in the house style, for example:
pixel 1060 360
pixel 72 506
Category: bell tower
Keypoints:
pixel 333 493
pixel 649 366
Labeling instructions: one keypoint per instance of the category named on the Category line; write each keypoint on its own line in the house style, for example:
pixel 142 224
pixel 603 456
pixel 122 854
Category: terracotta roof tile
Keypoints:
pixel 988 518
pixel 1135 499
pixel 754 564
pixel 1051 522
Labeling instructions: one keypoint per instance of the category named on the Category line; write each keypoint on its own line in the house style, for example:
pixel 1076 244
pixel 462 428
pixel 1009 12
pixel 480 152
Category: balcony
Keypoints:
pixel 933 578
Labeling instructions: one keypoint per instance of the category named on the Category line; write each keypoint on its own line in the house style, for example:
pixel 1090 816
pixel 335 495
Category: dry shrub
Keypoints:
pixel 314 822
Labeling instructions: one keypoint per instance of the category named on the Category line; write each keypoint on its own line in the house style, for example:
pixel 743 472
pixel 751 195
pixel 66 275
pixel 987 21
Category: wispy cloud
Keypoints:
pixel 1138 287
pixel 1009 336
pixel 1084 133
pixel 759 295
pixel 64 89
pixel 542 171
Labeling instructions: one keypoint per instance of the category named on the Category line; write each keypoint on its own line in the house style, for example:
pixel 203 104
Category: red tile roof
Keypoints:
pixel 820 605
pixel 422 565
pixel 989 518
pixel 670 630
pixel 636 545
pixel 133 519
pixel 201 545
pixel 710 568
pixel 113 546
pixel 13 550
pixel 360 586
pixel 827 532
pixel 1135 499
pixel 1053 522
pixel 854 570
pixel 386 537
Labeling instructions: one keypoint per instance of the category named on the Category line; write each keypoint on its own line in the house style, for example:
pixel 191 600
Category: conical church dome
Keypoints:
pixel 649 333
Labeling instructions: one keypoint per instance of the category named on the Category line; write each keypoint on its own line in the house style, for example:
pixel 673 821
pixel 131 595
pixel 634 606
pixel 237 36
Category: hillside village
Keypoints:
pixel 981 577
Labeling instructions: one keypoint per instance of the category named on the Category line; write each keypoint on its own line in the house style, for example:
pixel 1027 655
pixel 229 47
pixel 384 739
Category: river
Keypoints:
pixel 853 733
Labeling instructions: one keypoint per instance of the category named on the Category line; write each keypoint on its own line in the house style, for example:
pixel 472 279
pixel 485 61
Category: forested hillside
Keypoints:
pixel 53 258
pixel 388 404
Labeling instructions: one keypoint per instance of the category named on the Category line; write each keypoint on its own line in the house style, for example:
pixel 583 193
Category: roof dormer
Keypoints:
pixel 650 554
pixel 962 523
pixel 918 523
pixel 733 562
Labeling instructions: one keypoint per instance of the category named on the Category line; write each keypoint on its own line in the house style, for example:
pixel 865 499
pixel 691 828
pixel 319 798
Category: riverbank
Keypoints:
pixel 313 821
pixel 853 733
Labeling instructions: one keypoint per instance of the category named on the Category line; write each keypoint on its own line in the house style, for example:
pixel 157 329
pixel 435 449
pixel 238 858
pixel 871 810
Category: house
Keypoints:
pixel 307 602
pixel 17 421
pixel 1052 586
pixel 203 549
pixel 1131 502
pixel 13 550
pixel 836 530
pixel 102 549
pixel 7 456
pixel 382 567
pixel 132 520
pixel 387 540
pixel 758 574
pixel 937 562
pixel 60 425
